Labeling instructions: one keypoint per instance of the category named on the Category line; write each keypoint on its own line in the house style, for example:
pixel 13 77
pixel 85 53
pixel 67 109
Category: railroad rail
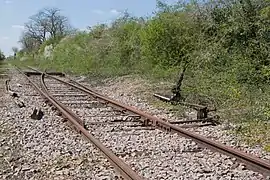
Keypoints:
pixel 252 162
pixel 122 167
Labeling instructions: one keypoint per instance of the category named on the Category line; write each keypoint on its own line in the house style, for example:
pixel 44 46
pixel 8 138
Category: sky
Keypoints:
pixel 81 13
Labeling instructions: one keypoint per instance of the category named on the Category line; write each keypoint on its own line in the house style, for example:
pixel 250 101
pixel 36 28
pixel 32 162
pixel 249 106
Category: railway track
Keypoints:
pixel 123 133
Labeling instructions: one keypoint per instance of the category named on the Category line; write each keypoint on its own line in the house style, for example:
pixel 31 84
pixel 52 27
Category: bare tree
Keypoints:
pixel 37 27
pixel 58 25
pixel 47 23
pixel 29 42
pixel 15 51
pixel 2 56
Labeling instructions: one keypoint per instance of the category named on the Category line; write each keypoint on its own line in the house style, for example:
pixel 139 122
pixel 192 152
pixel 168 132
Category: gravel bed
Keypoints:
pixel 158 155
pixel 46 148
pixel 125 93
pixel 155 154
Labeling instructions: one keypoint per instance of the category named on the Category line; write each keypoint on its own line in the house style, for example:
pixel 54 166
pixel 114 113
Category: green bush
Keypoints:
pixel 168 39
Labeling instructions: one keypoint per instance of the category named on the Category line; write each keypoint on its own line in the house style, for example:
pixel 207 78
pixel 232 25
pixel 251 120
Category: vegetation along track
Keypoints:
pixel 132 136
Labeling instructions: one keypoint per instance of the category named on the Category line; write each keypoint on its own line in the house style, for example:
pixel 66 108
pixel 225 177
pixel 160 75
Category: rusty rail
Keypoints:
pixel 252 162
pixel 249 160
pixel 120 165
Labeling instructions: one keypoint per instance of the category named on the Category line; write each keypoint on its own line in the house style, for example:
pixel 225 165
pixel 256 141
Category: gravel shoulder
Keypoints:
pixel 50 149
pixel 46 148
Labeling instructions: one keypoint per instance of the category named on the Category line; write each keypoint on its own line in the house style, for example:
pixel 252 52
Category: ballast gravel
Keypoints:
pixel 49 149
pixel 151 152
pixel 174 162
pixel 46 148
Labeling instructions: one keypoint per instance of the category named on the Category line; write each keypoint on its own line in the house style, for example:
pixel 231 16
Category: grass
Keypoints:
pixel 255 132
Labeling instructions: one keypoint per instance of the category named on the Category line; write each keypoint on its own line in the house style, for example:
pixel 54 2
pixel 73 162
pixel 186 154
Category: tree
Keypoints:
pixel 2 56
pixel 28 42
pixel 47 23
pixel 57 24
pixel 15 51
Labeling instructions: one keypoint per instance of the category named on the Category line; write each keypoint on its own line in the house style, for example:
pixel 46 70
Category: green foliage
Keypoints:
pixel 258 135
pixel 68 50
pixel 168 39
pixel 51 41
pixel 126 40
pixel 241 33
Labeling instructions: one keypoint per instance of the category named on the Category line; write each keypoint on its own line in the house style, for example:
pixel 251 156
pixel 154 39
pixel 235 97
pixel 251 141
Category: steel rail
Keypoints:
pixel 120 165
pixel 252 162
